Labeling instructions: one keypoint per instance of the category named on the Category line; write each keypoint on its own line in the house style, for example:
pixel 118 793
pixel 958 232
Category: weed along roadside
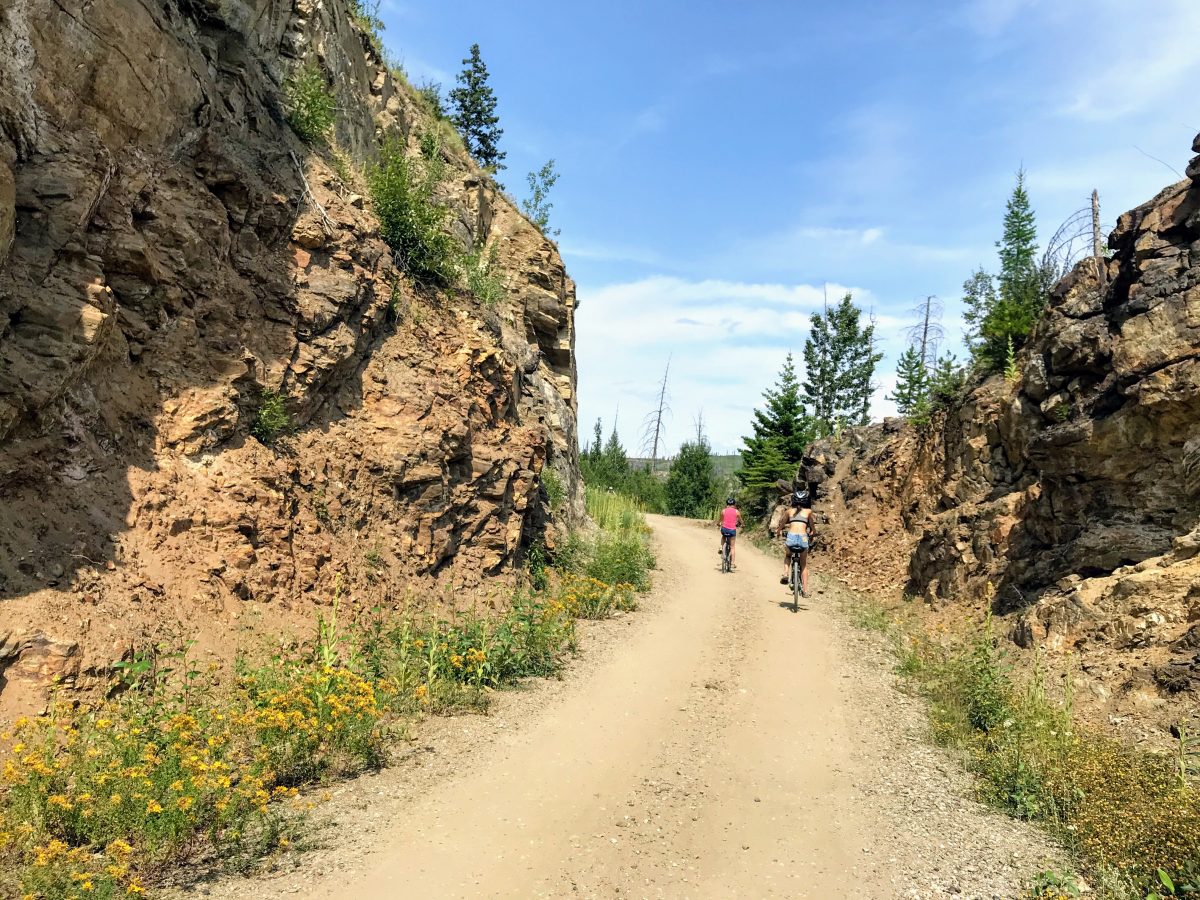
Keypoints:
pixel 213 770
pixel 1129 817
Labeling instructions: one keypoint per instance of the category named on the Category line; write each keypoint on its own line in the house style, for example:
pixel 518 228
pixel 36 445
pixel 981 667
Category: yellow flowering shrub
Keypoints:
pixel 95 799
pixel 153 780
pixel 590 598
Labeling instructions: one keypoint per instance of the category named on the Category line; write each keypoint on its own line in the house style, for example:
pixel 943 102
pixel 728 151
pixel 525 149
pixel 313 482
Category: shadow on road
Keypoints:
pixel 787 604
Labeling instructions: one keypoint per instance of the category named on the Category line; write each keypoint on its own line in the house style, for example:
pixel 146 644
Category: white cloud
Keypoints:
pixel 649 120
pixel 727 341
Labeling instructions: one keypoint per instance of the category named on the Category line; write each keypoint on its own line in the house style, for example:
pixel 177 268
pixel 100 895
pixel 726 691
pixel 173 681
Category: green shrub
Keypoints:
pixel 411 221
pixel 535 565
pixel 571 554
pixel 272 420
pixel 310 103
pixel 484 279
pixel 556 494
pixel 621 559
pixel 1126 812
pixel 429 93
pixel 985 684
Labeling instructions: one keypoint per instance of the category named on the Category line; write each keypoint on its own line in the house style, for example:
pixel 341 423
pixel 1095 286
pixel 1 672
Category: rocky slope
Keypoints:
pixel 169 251
pixel 1069 501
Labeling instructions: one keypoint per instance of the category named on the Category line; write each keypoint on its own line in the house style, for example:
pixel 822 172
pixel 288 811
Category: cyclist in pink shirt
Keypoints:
pixel 730 521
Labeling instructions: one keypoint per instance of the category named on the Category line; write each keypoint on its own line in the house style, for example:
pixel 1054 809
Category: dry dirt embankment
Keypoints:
pixel 171 254
pixel 714 744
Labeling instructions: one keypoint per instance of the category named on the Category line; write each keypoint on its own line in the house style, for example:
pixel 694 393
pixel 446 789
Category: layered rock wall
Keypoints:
pixel 169 253
pixel 1070 499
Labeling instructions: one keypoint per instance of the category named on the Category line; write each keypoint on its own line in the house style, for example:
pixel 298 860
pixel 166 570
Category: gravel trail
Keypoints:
pixel 714 744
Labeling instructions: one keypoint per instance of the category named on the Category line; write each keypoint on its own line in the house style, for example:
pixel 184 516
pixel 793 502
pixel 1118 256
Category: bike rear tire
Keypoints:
pixel 726 565
pixel 795 585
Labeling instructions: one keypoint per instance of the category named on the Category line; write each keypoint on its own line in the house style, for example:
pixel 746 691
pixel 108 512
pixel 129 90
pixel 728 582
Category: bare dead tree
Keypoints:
pixel 699 423
pixel 928 334
pixel 653 428
pixel 1071 240
pixel 1097 242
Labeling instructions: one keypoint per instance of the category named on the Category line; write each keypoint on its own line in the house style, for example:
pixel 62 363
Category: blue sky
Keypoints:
pixel 722 164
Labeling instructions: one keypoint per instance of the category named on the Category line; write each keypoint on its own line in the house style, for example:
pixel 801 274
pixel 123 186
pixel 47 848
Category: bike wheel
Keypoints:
pixel 725 564
pixel 795 585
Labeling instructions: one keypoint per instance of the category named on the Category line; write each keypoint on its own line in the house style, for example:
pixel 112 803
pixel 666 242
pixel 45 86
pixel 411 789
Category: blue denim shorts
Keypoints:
pixel 797 541
pixel 728 532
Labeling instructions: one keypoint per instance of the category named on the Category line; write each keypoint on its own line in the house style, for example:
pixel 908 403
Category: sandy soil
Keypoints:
pixel 715 744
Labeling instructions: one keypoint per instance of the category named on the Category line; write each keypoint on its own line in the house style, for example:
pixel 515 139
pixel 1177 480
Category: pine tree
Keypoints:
pixel 1018 249
pixel 614 462
pixel 839 363
pixel 783 414
pixel 979 297
pixel 691 487
pixel 912 383
pixel 946 380
pixel 597 446
pixel 1003 310
pixel 781 433
pixel 763 464
pixel 473 107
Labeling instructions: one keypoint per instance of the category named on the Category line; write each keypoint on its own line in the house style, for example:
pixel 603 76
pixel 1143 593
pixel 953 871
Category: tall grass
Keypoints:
pixel 620 553
pixel 1130 816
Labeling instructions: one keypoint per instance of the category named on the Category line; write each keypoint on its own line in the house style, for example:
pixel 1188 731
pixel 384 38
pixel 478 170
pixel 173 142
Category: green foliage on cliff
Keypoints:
pixel 537 206
pixel 272 419
pixel 483 276
pixel 473 111
pixel 839 365
pixel 310 103
pixel 414 224
pixel 1002 310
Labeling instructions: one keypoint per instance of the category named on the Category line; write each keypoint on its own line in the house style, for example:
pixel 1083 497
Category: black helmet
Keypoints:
pixel 800 497
pixel 729 500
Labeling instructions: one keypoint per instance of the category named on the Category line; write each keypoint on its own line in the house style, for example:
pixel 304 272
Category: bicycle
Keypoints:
pixel 794 578
pixel 726 553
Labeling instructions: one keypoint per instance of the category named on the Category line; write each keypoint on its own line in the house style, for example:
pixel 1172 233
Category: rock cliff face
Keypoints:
pixel 1075 492
pixel 169 251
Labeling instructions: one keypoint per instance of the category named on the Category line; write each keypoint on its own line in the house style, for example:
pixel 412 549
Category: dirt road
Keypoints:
pixel 724 746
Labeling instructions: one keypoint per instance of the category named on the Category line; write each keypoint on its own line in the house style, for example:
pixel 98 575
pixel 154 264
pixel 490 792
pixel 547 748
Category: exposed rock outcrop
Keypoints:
pixel 169 251
pixel 1072 493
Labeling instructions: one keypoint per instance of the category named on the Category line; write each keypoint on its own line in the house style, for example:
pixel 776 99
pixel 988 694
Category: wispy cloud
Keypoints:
pixel 727 340
pixel 1117 77
pixel 420 71
pixel 605 252
pixel 990 17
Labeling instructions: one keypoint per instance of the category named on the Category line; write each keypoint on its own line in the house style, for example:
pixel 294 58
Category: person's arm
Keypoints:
pixel 739 521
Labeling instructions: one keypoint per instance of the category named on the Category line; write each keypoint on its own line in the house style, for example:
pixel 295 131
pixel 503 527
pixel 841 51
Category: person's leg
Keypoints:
pixel 804 572
pixel 733 550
